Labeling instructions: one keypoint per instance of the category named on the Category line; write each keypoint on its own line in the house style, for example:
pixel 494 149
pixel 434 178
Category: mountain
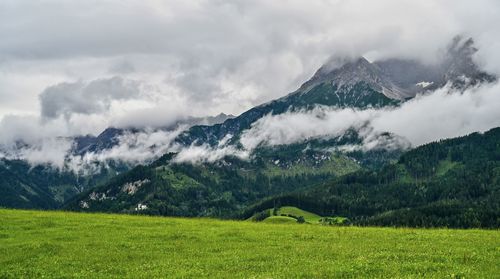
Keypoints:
pixel 215 189
pixel 450 183
pixel 352 73
pixel 453 183
pixel 357 83
pixel 171 187
pixel 25 186
pixel 345 83
pixel 455 67
pixel 356 86
pixel 353 83
pixel 110 137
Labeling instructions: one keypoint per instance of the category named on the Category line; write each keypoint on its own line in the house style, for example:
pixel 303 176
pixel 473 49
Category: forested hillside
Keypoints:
pixel 453 183
pixel 26 186
pixel 217 189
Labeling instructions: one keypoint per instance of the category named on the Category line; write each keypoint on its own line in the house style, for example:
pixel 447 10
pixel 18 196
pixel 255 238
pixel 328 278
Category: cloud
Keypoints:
pixel 132 149
pixel 204 153
pixel 294 127
pixel 82 66
pixel 122 67
pixel 85 98
pixel 221 55
pixel 50 151
pixel 47 151
pixel 28 138
pixel 26 129
pixel 443 114
pixel 426 118
pixel 71 109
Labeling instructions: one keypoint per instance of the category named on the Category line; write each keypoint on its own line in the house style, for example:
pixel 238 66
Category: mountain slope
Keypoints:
pixel 352 83
pixel 23 189
pixel 217 189
pixel 110 137
pixel 454 183
pixel 357 83
pixel 25 185
pixel 44 187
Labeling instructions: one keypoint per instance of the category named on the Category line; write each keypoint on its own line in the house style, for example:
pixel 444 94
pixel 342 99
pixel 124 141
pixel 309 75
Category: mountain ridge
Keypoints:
pixel 354 84
pixel 357 83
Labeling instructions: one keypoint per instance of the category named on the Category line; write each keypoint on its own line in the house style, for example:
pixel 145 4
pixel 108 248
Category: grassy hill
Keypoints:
pixel 291 214
pixel 36 244
pixel 280 220
pixel 308 216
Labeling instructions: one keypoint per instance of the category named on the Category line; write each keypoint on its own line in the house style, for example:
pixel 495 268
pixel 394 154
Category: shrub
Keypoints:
pixel 261 216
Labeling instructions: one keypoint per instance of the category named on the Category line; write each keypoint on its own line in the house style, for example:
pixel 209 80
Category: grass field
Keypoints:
pixel 36 244
pixel 279 220
pixel 308 216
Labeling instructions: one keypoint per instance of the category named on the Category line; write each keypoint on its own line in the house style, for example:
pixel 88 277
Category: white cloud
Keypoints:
pixel 443 114
pixel 220 55
pixel 205 153
pixel 85 98
pixel 47 151
pixel 426 118
pixel 132 148
pixel 27 129
pixel 294 127
pixel 203 57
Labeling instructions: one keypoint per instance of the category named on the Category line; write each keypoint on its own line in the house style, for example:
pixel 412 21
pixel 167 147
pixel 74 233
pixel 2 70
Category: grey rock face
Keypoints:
pixel 358 83
pixel 401 79
pixel 459 67
pixel 354 72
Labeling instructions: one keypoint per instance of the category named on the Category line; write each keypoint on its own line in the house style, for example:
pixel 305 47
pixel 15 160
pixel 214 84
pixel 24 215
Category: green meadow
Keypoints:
pixel 49 244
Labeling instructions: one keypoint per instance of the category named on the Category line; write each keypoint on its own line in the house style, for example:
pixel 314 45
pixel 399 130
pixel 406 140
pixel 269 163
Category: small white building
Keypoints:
pixel 141 206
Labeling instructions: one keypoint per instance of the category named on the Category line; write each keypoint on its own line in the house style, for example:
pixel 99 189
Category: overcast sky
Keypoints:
pixel 72 67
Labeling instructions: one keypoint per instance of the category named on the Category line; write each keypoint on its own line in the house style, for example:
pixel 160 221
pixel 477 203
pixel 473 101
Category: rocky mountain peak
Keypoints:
pixel 404 78
pixel 459 67
pixel 347 68
pixel 349 72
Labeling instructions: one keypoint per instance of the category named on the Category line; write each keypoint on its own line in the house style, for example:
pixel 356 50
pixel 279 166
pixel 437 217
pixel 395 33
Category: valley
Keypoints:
pixel 250 139
pixel 317 148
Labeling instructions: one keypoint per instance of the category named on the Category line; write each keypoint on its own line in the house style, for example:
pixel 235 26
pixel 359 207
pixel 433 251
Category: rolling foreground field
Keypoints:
pixel 36 244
